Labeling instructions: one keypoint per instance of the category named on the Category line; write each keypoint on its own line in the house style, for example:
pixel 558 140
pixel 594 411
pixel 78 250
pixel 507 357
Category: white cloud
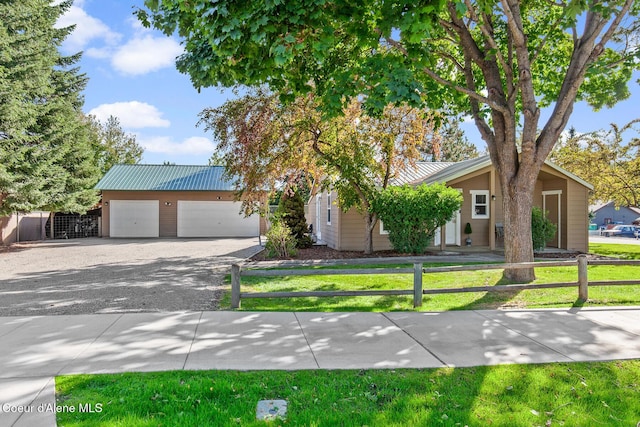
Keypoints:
pixel 195 145
pixel 144 54
pixel 132 114
pixel 87 29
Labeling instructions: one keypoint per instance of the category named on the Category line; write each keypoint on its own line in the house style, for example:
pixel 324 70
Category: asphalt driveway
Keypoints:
pixel 84 276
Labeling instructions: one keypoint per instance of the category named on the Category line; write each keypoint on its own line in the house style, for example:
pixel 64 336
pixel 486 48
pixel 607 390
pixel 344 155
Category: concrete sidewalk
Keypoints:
pixel 36 349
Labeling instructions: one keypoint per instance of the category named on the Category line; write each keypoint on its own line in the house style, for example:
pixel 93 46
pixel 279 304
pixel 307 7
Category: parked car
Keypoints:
pixel 622 231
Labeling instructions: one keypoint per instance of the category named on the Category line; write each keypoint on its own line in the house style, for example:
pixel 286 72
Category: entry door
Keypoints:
pixel 551 205
pixel 452 232
pixel 318 215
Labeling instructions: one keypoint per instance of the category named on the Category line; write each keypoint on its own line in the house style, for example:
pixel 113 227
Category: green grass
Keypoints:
pixel 616 250
pixel 510 395
pixel 538 298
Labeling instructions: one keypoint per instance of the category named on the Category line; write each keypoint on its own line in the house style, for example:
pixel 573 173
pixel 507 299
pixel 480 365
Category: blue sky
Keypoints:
pixel 132 76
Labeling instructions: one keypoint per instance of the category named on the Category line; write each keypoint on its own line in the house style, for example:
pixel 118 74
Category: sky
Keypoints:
pixel 132 76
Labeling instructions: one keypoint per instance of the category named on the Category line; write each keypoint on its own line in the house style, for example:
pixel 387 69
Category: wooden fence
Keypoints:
pixel 418 291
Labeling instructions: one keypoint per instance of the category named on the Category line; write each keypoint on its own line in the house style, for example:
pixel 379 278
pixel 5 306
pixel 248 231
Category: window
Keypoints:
pixel 479 204
pixel 328 208
pixel 382 229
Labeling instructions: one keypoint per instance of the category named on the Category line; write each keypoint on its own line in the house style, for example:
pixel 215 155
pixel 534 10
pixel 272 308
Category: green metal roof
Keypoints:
pixel 165 178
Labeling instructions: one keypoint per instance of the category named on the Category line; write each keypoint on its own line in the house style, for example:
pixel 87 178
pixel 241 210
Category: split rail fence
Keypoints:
pixel 418 271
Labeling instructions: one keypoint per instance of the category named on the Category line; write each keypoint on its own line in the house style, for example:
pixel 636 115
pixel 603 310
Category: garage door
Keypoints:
pixel 134 218
pixel 215 219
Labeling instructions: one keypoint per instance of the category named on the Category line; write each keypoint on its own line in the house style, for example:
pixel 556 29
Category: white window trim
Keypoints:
pixel 475 193
pixel 328 208
pixel 382 230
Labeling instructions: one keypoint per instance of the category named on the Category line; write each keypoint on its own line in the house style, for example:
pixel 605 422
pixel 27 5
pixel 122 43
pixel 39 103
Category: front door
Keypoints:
pixel 551 205
pixel 318 215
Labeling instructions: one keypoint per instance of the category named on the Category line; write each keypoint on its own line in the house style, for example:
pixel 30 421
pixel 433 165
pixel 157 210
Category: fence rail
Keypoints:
pixel 418 271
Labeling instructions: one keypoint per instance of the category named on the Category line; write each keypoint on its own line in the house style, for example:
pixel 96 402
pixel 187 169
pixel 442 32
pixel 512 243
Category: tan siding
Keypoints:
pixel 479 227
pixel 577 217
pixel 352 233
pixel 168 205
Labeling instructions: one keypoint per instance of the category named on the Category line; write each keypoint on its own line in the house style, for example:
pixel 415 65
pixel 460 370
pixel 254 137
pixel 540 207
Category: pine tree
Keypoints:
pixel 46 155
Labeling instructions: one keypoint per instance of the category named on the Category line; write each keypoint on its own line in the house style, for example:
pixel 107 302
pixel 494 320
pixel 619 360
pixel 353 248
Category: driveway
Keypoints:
pixel 620 240
pixel 85 276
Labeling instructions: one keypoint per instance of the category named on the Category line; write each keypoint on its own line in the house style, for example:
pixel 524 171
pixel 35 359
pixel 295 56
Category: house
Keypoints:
pixel 608 213
pixel 172 201
pixel 561 194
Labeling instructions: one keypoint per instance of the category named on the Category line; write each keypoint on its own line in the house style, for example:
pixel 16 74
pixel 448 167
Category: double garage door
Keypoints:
pixel 141 218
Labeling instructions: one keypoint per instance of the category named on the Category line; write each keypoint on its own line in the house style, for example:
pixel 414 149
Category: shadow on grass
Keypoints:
pixel 493 300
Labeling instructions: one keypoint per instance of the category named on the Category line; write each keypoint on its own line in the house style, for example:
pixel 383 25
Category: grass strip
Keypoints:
pixel 606 393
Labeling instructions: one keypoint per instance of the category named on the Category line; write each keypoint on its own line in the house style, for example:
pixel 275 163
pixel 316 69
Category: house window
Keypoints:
pixel 382 229
pixel 328 208
pixel 479 204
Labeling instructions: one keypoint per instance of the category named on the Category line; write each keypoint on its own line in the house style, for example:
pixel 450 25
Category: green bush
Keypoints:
pixel 291 210
pixel 280 241
pixel 412 215
pixel 542 230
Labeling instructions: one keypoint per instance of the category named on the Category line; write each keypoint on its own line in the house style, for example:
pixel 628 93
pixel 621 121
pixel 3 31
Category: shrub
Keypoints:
pixel 291 210
pixel 280 242
pixel 413 215
pixel 542 230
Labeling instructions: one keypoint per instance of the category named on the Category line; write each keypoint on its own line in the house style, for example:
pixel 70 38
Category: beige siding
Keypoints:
pixel 577 217
pixel 353 230
pixel 168 205
pixel 479 227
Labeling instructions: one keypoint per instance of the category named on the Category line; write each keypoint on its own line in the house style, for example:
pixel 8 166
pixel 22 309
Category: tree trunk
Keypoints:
pixel 518 244
pixel 370 223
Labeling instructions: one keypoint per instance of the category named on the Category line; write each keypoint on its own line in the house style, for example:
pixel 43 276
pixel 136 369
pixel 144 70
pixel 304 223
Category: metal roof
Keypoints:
pixel 165 178
pixel 421 171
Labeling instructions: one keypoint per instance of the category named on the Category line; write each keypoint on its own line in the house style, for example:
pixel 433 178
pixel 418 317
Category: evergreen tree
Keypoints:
pixel 46 155
pixel 291 210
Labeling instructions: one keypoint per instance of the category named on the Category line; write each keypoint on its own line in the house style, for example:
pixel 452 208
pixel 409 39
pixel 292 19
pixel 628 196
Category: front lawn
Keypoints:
pixel 575 394
pixel 539 298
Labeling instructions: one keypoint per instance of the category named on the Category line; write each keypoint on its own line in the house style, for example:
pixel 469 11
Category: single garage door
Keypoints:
pixel 134 218
pixel 215 219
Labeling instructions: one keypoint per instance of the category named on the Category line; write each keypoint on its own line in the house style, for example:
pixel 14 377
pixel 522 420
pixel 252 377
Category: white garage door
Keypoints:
pixel 215 219
pixel 134 218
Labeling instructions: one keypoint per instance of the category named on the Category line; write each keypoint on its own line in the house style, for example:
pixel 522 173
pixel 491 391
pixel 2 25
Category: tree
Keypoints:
pixel 499 62
pixel 264 141
pixel 114 145
pixel 604 159
pixel 46 157
pixel 291 211
pixel 449 144
pixel 412 215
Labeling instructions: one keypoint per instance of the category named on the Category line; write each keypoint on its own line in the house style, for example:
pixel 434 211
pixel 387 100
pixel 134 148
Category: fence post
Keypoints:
pixel 583 279
pixel 235 286
pixel 417 284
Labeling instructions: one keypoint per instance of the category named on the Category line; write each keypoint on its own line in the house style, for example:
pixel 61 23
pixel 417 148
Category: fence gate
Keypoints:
pixel 72 226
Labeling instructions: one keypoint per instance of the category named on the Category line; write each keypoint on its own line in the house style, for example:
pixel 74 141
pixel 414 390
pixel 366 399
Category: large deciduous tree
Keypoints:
pixel 264 141
pixel 498 61
pixel 46 155
pixel 606 159
pixel 113 144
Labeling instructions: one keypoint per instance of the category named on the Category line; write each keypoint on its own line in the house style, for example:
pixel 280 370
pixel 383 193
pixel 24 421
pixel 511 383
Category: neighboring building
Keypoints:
pixel 608 213
pixel 563 195
pixel 172 201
